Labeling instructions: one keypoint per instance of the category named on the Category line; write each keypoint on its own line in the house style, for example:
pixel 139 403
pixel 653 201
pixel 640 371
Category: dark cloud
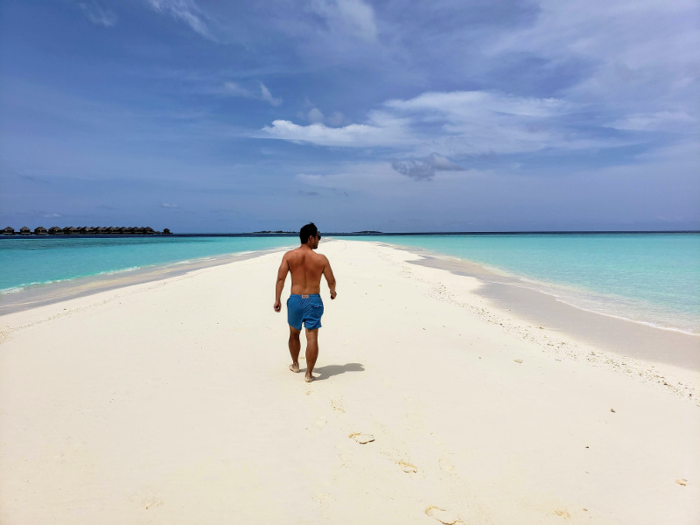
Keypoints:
pixel 33 179
pixel 425 169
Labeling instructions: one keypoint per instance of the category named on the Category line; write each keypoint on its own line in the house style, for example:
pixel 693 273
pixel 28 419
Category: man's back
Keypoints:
pixel 304 306
pixel 306 267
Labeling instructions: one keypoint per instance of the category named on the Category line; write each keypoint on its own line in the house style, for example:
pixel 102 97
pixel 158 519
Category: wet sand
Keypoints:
pixel 625 337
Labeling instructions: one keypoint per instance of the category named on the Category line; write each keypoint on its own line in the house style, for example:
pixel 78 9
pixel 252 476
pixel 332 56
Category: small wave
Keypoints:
pixel 11 290
pixel 111 272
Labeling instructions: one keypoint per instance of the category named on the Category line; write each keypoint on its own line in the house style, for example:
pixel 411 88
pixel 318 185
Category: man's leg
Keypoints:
pixel 311 353
pixel 294 348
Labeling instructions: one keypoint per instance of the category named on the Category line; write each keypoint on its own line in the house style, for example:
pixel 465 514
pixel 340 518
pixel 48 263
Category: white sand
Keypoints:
pixel 171 402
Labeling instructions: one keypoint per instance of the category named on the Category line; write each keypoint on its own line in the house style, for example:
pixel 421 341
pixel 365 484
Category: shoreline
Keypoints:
pixel 506 292
pixel 40 294
pixel 624 336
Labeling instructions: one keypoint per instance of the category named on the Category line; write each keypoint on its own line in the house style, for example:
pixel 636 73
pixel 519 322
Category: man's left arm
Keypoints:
pixel 330 278
pixel 279 286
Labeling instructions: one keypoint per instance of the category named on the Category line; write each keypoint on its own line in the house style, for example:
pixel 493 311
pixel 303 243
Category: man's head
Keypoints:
pixel 310 235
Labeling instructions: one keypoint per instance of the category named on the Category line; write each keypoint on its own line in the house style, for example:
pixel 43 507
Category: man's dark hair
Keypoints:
pixel 307 231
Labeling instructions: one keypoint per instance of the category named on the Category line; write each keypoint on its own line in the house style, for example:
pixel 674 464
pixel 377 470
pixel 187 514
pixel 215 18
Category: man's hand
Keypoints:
pixel 278 306
pixel 333 294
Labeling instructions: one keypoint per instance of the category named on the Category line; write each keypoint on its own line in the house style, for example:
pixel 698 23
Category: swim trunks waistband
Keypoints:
pixel 304 296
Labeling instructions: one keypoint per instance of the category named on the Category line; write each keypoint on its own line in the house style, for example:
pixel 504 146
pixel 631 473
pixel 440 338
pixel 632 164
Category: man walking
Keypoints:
pixel 304 304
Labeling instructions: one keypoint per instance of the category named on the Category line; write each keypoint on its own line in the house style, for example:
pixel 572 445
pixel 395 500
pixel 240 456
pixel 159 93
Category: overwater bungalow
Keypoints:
pixel 148 231
pixel 113 230
pixel 166 231
pixel 8 231
pixel 40 230
pixel 55 230
pixel 90 230
pixel 70 230
pixel 100 230
pixel 25 231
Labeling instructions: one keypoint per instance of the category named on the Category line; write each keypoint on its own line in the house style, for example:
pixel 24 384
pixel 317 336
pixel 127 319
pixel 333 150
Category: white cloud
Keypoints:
pixel 233 89
pixel 167 205
pixel 185 10
pixel 315 116
pixel 236 90
pixel 351 16
pixel 659 121
pixel 99 16
pixel 267 96
pixel 353 135
pixel 336 119
pixel 639 53
pixel 452 123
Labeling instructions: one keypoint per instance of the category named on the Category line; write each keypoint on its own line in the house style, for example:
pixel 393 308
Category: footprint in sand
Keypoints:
pixel 321 499
pixel 682 482
pixel 337 406
pixel 152 502
pixel 362 439
pixel 408 468
pixel 443 516
pixel 446 465
pixel 563 513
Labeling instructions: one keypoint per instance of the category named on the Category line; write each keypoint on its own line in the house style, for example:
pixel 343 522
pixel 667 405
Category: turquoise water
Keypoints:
pixel 651 278
pixel 36 261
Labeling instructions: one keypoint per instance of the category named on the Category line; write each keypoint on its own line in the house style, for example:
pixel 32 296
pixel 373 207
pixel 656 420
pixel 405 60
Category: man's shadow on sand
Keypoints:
pixel 324 372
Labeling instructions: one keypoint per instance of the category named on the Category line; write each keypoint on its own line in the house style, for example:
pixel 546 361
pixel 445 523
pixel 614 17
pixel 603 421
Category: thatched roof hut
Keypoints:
pixel 70 230
pixel 8 231
pixel 100 230
pixel 90 230
pixel 55 230
pixel 148 231
pixel 40 230
pixel 166 231
pixel 112 230
pixel 25 231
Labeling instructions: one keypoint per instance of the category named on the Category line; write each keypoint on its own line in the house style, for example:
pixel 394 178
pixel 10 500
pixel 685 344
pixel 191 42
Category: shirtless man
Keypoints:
pixel 305 304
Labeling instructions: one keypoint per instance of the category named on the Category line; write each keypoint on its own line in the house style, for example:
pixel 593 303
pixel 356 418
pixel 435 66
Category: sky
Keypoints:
pixel 398 116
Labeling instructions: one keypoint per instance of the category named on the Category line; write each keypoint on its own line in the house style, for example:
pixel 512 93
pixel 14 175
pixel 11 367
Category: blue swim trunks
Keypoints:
pixel 306 309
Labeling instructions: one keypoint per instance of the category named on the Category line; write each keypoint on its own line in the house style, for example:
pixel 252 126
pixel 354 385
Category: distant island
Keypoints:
pixel 368 231
pixel 278 231
pixel 86 230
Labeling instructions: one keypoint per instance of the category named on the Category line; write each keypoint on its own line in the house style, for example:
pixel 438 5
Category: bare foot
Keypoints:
pixel 308 379
pixel 294 367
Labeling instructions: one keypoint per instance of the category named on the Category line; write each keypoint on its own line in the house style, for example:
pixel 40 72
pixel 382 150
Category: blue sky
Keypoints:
pixel 207 116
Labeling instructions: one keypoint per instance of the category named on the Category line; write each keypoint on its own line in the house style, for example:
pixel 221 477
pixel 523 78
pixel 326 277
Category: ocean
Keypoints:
pixel 37 261
pixel 648 278
pixel 644 277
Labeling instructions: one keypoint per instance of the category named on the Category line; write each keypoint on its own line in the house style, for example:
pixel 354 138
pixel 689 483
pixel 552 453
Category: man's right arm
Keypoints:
pixel 279 286
pixel 330 278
